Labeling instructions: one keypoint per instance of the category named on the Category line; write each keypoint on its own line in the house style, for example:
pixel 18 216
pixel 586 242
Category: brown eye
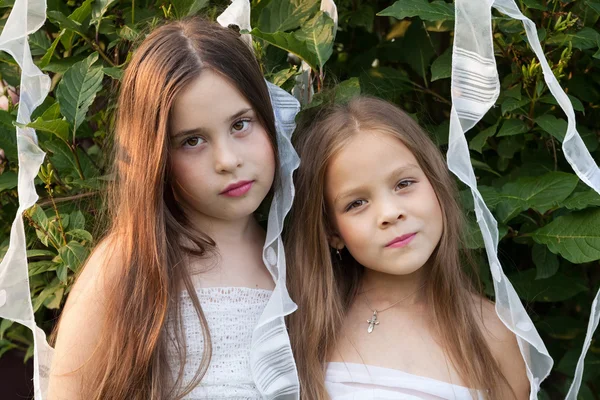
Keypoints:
pixel 192 141
pixel 240 125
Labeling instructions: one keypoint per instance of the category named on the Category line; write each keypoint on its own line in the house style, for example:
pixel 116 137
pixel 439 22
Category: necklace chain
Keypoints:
pixel 373 321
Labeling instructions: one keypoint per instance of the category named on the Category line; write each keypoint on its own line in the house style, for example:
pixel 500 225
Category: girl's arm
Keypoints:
pixel 80 324
pixel 505 349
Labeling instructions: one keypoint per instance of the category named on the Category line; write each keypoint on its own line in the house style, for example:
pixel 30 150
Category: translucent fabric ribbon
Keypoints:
pixel 26 17
pixel 475 88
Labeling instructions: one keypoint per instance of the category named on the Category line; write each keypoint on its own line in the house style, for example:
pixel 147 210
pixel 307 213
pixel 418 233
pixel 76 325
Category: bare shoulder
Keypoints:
pixel 503 344
pixel 82 320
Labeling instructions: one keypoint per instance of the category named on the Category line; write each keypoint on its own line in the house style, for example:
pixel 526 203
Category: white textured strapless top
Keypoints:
pixel 350 381
pixel 231 313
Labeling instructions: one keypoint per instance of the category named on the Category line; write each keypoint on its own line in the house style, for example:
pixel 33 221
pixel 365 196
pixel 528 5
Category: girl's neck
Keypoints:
pixel 383 290
pixel 230 233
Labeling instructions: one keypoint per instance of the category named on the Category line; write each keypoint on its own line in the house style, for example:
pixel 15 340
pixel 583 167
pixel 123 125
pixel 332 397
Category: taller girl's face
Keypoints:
pixel 381 204
pixel 221 157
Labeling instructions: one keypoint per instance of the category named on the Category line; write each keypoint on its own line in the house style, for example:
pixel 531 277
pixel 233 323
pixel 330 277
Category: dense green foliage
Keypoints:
pixel 401 51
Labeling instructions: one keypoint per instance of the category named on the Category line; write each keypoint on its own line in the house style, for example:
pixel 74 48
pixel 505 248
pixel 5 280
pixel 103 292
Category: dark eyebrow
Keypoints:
pixel 394 173
pixel 200 131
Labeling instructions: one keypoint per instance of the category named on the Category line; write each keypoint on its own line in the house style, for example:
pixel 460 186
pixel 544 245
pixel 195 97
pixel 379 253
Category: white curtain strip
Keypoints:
pixel 25 18
pixel 475 89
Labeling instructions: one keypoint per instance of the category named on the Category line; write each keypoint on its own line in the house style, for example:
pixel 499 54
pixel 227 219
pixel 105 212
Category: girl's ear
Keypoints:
pixel 335 241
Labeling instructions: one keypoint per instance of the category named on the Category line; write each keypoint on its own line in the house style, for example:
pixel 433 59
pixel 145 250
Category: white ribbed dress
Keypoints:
pixel 231 313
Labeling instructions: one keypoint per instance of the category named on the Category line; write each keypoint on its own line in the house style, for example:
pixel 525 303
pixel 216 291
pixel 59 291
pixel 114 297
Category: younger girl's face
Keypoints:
pixel 221 158
pixel 381 205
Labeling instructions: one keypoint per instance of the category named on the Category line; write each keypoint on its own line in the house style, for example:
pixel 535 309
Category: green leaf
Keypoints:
pixel 58 127
pixel 536 4
pixel 442 66
pixel 99 8
pixel 80 234
pixel 545 261
pixel 44 294
pixel 8 181
pixel 73 255
pixel 575 236
pixel 581 200
pixel 510 104
pixel 61 156
pixel 540 193
pixel 114 72
pixel 313 43
pixel 385 82
pixel 40 253
pixel 286 15
pixel 577 104
pixel 557 288
pixel 347 90
pixel 8 135
pixel 39 267
pixel 318 34
pixel 587 38
pixel 568 364
pixel 552 125
pixel 77 89
pixel 435 11
pixel 77 220
pixel 64 22
pixel 481 138
pixel 39 217
pixel 39 43
pixel 184 8
pixel 53 301
pixel 512 127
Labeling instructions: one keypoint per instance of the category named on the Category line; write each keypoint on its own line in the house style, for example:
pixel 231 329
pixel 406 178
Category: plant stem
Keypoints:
pixel 44 203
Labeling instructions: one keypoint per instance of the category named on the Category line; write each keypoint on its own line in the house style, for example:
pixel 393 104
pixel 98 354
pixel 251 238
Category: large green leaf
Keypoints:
pixel 559 287
pixel 575 236
pixel 58 127
pixel 481 138
pixel 285 15
pixel 540 193
pixel 313 43
pixel 587 38
pixel 77 89
pixel 546 262
pixel 581 200
pixel 552 125
pixel 318 34
pixel 73 255
pixel 512 127
pixel 435 11
pixel 8 180
pixel 442 66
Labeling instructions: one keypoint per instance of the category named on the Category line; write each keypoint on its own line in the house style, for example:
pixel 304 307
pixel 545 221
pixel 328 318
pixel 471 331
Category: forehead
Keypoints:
pixel 369 156
pixel 208 100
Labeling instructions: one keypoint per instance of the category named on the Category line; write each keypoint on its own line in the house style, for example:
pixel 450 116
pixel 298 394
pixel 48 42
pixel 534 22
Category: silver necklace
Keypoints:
pixel 374 321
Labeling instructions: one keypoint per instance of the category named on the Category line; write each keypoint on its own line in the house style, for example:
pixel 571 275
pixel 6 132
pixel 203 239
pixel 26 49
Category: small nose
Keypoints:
pixel 389 213
pixel 226 158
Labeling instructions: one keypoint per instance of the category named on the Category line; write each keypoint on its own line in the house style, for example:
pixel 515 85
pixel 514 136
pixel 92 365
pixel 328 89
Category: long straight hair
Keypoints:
pixel 145 221
pixel 325 287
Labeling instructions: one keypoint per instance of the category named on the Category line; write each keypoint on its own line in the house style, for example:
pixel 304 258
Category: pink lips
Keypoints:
pixel 237 189
pixel 401 241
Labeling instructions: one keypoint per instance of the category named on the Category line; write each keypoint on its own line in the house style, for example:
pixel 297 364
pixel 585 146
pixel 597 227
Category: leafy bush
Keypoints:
pixel 401 51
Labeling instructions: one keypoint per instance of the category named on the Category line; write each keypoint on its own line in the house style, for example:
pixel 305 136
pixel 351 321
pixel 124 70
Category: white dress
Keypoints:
pixel 350 381
pixel 231 313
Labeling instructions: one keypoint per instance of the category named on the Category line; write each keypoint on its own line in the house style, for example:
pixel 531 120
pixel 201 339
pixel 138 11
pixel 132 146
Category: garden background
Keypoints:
pixel 400 51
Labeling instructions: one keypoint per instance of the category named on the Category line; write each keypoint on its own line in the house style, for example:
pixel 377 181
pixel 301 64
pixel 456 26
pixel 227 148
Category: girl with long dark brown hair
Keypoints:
pixel 377 267
pixel 185 296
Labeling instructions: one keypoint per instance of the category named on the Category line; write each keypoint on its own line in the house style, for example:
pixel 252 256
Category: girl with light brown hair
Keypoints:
pixel 185 296
pixel 376 264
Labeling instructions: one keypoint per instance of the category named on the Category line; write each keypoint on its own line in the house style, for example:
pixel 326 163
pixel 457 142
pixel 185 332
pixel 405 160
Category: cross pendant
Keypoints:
pixel 372 322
